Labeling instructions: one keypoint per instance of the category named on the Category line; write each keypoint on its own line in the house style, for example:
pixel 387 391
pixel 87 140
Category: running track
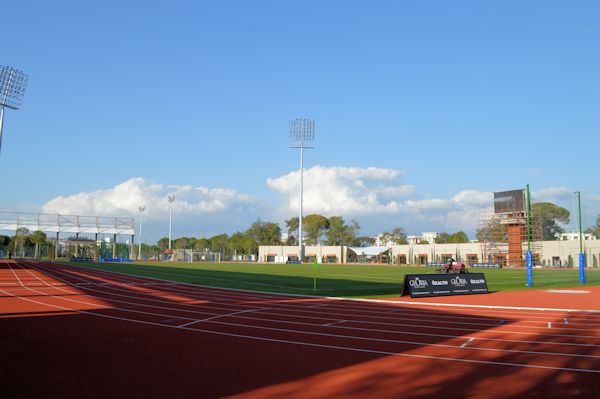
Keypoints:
pixel 70 331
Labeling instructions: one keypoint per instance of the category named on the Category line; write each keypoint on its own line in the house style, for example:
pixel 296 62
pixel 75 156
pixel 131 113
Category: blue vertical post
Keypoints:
pixel 581 254
pixel 529 259
pixel 582 268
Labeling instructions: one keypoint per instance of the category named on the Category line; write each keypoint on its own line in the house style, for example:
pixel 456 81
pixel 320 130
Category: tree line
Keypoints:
pixel 316 228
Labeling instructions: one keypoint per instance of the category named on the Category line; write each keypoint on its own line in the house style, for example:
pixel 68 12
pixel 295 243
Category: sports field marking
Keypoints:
pixel 388 323
pixel 443 318
pixel 412 355
pixel 409 355
pixel 222 315
pixel 355 299
pixel 333 323
pixel 241 292
pixel 569 291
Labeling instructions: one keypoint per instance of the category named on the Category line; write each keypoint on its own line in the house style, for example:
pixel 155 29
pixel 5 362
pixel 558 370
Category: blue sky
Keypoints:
pixel 422 109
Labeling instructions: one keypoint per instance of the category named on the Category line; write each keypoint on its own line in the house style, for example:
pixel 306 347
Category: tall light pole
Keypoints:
pixel 302 135
pixel 12 88
pixel 141 208
pixel 171 199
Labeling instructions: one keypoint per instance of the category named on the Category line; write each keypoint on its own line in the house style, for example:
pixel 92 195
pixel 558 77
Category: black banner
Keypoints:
pixel 422 285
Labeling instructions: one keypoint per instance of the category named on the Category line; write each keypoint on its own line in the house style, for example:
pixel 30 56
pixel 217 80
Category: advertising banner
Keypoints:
pixel 424 285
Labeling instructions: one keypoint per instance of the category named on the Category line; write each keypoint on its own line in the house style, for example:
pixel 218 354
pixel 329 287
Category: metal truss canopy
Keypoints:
pixel 56 223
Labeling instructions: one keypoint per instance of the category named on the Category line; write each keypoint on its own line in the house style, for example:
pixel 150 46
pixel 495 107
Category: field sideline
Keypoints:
pixel 360 281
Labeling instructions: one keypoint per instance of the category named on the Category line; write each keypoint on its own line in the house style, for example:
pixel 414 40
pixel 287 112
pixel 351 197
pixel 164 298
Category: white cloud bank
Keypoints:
pixel 125 198
pixel 378 195
pixel 377 198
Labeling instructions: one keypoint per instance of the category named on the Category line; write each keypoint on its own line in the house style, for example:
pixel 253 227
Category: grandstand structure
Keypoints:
pixel 57 224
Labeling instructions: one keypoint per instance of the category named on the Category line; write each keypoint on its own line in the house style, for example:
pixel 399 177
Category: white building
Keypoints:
pixel 429 236
pixel 574 235
pixel 550 253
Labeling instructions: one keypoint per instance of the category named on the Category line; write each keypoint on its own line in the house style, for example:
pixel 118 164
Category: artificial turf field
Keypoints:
pixel 347 280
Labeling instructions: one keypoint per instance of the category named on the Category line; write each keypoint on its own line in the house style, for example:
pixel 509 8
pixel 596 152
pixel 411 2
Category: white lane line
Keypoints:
pixel 357 329
pixel 597 311
pixel 335 314
pixel 221 315
pixel 334 323
pixel 421 326
pixel 406 332
pixel 376 339
pixel 412 343
pixel 467 343
pixel 569 291
pixel 99 306
pixel 549 324
pixel 316 345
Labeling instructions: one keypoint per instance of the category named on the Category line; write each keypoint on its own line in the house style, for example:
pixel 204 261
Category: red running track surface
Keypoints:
pixel 70 331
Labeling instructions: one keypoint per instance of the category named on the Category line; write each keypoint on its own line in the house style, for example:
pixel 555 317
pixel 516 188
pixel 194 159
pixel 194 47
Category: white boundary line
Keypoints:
pixel 356 299
pixel 340 336
pixel 332 312
pixel 409 355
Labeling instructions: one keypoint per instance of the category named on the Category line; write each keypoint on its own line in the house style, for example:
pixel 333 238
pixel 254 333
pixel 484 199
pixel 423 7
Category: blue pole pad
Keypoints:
pixel 582 268
pixel 529 259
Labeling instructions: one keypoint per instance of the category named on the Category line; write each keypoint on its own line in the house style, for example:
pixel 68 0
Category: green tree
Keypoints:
pixel 292 226
pixel 20 239
pixel 240 243
pixel 38 238
pixel 314 227
pixel 202 244
pixel 458 237
pixel 163 244
pixel 4 240
pixel 363 241
pixel 265 233
pixel 339 233
pixel 181 243
pixel 399 236
pixel 593 230
pixel 550 217
pixel 219 243
pixel 442 238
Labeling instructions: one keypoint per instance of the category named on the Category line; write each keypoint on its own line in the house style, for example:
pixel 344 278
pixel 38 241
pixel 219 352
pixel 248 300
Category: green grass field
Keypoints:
pixel 365 281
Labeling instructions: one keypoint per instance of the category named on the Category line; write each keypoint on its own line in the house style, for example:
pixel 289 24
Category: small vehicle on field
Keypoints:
pixel 453 266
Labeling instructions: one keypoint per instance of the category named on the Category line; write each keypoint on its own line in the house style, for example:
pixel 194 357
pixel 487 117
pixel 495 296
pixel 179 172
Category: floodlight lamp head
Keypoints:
pixel 171 198
pixel 12 86
pixel 302 133
pixel 142 208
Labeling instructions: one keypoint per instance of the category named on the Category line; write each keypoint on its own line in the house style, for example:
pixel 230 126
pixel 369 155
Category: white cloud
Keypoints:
pixel 125 198
pixel 378 196
pixel 552 194
pixel 343 190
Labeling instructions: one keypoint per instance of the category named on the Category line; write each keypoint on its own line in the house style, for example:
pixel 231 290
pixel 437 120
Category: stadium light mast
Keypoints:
pixel 12 88
pixel 142 209
pixel 302 135
pixel 171 199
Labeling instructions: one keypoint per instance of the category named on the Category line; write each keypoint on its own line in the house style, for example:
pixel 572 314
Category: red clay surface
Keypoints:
pixel 74 332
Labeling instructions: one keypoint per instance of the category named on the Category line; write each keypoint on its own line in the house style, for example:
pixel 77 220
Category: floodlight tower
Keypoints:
pixel 302 135
pixel 12 88
pixel 142 209
pixel 171 199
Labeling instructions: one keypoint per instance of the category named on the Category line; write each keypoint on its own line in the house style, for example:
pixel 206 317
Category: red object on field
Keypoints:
pixel 453 266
